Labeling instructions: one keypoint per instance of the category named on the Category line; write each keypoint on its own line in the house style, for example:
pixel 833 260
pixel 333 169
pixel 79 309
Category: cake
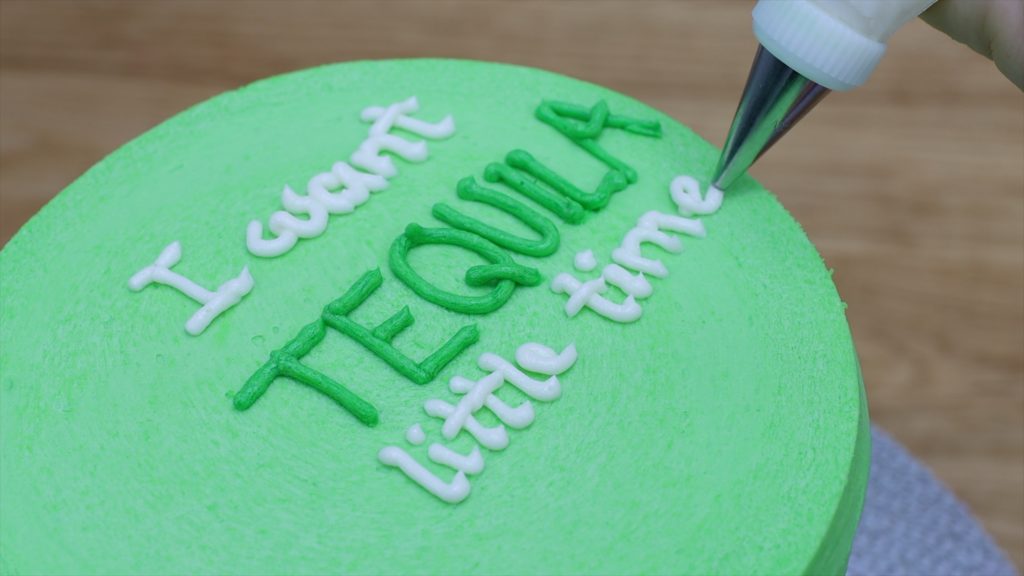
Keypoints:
pixel 423 316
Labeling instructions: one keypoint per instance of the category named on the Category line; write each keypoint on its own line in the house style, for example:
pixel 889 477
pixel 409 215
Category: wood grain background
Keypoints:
pixel 912 187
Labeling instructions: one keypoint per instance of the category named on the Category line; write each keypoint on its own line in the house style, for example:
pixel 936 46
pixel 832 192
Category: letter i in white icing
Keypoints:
pixel 214 303
pixel 452 492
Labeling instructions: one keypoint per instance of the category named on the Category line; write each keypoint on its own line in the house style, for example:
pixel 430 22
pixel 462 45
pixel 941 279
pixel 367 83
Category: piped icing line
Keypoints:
pixel 476 394
pixel 368 172
pixel 306 216
pixel 415 435
pixel 452 492
pixel 286 361
pixel 472 401
pixel 584 125
pixel 635 285
pixel 589 295
pixel 399 119
pixel 517 417
pixel 544 390
pixel 629 252
pixel 502 275
pixel 494 438
pixel 468 189
pixel 584 261
pixel 685 193
pixel 472 463
pixel 541 359
pixel 213 303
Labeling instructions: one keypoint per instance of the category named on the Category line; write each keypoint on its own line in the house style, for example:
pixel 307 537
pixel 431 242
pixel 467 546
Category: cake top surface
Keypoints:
pixel 184 391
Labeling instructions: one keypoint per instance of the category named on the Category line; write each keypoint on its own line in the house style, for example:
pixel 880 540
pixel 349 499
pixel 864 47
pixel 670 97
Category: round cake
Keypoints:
pixel 424 316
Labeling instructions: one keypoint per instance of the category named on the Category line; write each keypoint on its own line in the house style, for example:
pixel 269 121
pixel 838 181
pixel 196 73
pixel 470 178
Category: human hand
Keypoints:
pixel 993 28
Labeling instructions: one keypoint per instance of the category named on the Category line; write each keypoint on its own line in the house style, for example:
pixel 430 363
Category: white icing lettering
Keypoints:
pixel 320 200
pixel 546 390
pixel 368 155
pixel 539 358
pixel 471 464
pixel 588 294
pixel 585 261
pixel 213 303
pixel 495 438
pixel 636 286
pixel 415 435
pixel 579 293
pixel 356 188
pixel 453 492
pixel 470 403
pixel 655 220
pixel 396 116
pixel 515 417
pixel 287 228
pixel 685 191
pixel 475 395
pixel 628 253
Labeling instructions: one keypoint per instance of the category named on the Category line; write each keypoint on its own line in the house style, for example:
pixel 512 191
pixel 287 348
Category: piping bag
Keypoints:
pixel 807 49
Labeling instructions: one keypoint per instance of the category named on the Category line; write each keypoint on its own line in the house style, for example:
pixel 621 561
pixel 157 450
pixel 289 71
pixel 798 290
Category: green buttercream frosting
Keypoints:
pixel 723 431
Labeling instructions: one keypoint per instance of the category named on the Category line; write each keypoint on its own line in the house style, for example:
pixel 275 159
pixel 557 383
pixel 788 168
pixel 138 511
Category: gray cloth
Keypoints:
pixel 914 526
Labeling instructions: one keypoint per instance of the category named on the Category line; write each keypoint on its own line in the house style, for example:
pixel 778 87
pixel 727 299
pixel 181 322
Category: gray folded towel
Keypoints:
pixel 914 526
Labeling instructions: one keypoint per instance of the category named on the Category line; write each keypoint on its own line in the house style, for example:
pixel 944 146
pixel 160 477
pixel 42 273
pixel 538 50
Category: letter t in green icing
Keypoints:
pixel 378 339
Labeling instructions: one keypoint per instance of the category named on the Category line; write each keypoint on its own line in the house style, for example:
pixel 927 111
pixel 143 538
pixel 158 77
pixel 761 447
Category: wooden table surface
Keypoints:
pixel 912 187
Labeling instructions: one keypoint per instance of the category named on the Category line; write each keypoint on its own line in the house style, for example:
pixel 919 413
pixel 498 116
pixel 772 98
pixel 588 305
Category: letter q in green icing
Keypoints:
pixel 503 273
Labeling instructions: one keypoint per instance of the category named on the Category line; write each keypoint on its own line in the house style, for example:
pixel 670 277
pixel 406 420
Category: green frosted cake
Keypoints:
pixel 431 317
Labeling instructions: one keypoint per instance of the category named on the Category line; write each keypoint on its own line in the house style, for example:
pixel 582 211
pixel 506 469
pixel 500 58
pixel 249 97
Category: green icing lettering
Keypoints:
pixel 612 182
pixel 378 340
pixel 565 208
pixel 468 189
pixel 286 362
pixel 584 126
pixel 503 278
pixel 388 329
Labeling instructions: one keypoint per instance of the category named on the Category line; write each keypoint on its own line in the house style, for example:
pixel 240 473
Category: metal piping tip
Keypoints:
pixel 774 99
